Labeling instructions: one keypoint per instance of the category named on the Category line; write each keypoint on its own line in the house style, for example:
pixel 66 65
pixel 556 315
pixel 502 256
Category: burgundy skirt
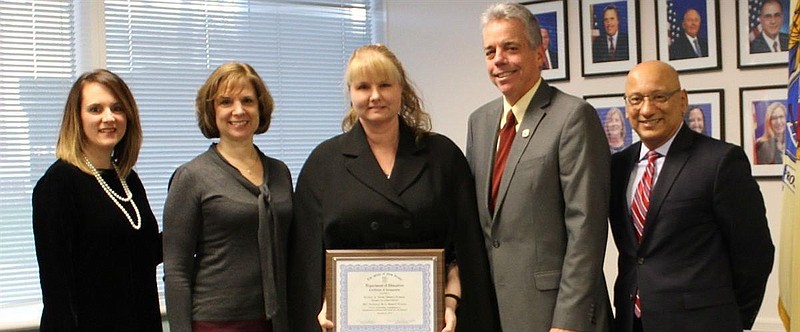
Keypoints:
pixel 258 325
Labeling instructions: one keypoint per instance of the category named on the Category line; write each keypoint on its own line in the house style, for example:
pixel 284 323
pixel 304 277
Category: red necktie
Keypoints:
pixel 546 62
pixel 639 206
pixel 506 139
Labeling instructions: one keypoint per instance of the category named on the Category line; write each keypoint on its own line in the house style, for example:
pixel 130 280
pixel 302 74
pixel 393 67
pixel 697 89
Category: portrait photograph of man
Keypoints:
pixel 610 32
pixel 549 30
pixel 688 31
pixel 769 26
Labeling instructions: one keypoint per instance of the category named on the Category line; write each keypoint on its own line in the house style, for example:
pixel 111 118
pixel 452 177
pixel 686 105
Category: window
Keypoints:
pixel 164 50
pixel 37 66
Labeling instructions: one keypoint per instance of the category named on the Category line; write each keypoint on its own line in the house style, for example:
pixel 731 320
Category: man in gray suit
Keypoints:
pixel 543 200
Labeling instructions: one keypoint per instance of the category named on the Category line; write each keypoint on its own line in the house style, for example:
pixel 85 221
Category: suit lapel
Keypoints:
pixel 409 162
pixel 488 134
pixel 677 156
pixel 361 163
pixel 630 160
pixel 530 122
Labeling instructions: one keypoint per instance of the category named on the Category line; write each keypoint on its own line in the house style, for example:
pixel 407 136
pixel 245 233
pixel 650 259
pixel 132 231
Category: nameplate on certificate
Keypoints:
pixel 382 290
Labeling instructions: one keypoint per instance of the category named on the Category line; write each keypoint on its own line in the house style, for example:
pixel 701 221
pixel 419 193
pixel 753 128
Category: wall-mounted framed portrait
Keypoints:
pixel 706 112
pixel 763 32
pixel 552 17
pixel 688 34
pixel 611 111
pixel 763 126
pixel 609 31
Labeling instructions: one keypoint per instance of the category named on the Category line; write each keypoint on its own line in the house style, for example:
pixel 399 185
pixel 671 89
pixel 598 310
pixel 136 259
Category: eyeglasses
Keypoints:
pixel 658 98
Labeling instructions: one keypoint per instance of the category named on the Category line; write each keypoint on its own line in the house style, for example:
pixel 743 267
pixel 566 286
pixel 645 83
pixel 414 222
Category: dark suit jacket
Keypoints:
pixel 681 48
pixel 547 236
pixel 706 253
pixel 600 52
pixel 344 201
pixel 759 45
pixel 553 59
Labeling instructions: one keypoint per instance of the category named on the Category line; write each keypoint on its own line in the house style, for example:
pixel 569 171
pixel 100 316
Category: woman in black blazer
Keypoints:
pixel 388 182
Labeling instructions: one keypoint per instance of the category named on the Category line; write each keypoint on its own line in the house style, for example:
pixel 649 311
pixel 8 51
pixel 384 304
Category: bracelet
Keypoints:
pixel 454 297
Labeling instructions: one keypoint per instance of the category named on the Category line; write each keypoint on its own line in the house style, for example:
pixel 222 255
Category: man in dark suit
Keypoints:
pixel 551 58
pixel 695 251
pixel 689 44
pixel 771 38
pixel 540 161
pixel 613 44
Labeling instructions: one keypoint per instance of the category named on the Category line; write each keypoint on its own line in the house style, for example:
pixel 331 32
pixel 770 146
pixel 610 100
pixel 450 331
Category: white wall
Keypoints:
pixel 439 43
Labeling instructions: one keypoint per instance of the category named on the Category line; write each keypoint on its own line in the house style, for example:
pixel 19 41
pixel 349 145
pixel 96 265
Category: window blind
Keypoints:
pixel 164 50
pixel 36 71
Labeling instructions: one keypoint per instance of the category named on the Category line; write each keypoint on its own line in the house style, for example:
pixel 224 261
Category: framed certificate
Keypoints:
pixel 385 290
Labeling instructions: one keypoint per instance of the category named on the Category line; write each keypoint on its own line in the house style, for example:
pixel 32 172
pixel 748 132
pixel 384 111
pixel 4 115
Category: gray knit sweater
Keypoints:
pixel 224 255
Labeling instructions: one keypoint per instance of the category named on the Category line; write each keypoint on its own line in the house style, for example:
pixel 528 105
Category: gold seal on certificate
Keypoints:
pixel 385 289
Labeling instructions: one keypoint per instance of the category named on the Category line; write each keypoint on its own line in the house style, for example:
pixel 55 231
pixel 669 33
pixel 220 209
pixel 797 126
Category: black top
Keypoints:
pixel 97 272
pixel 344 201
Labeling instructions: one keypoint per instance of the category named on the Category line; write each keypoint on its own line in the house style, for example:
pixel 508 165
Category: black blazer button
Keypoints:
pixel 406 224
pixel 374 225
pixel 496 244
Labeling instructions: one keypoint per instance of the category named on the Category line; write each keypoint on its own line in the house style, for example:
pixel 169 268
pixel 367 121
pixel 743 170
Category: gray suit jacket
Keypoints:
pixel 546 240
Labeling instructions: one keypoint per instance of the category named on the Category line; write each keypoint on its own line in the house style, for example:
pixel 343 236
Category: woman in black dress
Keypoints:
pixel 388 182
pixel 97 240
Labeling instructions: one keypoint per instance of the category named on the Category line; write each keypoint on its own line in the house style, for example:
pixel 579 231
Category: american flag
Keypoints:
pixel 675 28
pixel 754 9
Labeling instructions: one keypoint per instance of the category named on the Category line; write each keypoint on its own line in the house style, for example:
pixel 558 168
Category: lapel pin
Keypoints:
pixel 526 133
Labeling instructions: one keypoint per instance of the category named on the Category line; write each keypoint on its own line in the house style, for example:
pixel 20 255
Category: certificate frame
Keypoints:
pixel 388 276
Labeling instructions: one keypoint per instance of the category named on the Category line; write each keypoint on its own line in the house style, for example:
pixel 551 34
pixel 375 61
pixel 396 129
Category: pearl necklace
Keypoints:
pixel 116 197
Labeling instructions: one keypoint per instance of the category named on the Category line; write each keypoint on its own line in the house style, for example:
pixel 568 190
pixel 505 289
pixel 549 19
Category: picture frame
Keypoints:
pixel 600 56
pixel 706 112
pixel 751 46
pixel 383 290
pixel 766 157
pixel 688 34
pixel 610 109
pixel 552 17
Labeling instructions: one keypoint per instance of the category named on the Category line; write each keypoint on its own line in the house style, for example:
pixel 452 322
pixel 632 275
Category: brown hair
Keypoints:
pixel 227 77
pixel 72 139
pixel 378 60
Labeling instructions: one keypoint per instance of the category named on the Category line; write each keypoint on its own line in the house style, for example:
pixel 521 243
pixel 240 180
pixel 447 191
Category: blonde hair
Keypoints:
pixel 72 139
pixel 378 60
pixel 771 109
pixel 228 77
pixel 615 111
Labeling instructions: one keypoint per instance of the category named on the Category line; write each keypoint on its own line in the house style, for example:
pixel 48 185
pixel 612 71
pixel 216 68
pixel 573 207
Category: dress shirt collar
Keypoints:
pixel 521 106
pixel 662 150
pixel 771 41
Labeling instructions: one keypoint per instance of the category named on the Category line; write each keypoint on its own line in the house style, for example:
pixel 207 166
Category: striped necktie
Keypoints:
pixel 639 206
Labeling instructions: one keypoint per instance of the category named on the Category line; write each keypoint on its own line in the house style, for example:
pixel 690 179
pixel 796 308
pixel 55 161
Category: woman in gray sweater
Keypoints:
pixel 227 214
